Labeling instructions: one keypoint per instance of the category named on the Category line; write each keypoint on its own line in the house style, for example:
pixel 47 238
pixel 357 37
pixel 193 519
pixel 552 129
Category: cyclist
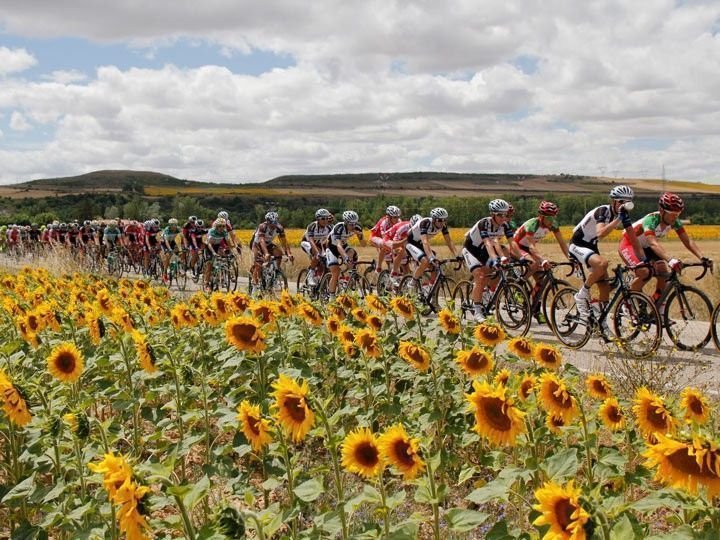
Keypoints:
pixel 338 251
pixel 168 238
pixel 418 242
pixel 112 237
pixel 150 238
pixel 263 246
pixel 597 224
pixel 648 231
pixel 391 217
pixel 314 242
pixel 482 251
pixel 231 236
pixel 216 240
pixel 395 239
pixel 186 231
pixel 527 237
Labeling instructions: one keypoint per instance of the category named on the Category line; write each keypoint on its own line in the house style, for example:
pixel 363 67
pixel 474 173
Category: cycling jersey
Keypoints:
pixel 187 230
pixel 112 235
pixel 381 227
pixel 198 233
pixel 585 232
pixel 215 237
pixel 427 227
pixel 397 232
pixel 169 234
pixel 652 225
pixel 487 228
pixel 316 233
pixel 341 232
pixel 532 229
pixel 133 233
pixel 267 233
pixel 34 235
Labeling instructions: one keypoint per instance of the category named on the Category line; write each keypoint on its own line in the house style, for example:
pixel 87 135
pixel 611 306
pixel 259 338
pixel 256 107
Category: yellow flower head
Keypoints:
pixel 293 411
pixel 496 418
pixel 475 362
pixel 333 325
pixel 489 334
pixel 415 355
pixel 374 303
pixel 547 356
pixel 256 428
pixel 310 314
pixel 696 406
pixel 651 414
pixel 502 377
pixel 245 333
pixel 449 322
pixel 360 315
pixel 527 386
pixel 598 386
pixel 560 508
pixel 374 322
pixel 402 451
pixel 367 340
pixel 556 399
pixel 65 362
pixel 361 453
pixel 14 404
pixel 521 347
pixel 611 415
pixel 264 311
pixel 146 356
pixel 403 306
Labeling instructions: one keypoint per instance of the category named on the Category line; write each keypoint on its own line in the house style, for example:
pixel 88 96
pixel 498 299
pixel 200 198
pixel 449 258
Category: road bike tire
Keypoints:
pixel 323 289
pixel 461 298
pixel 512 309
pixel 383 286
pixel 234 275
pixel 370 278
pixel 714 326
pixel 443 294
pixel 301 285
pixel 565 320
pixel 685 308
pixel 279 283
pixel 636 323
pixel 181 276
pixel 547 296
pixel 360 285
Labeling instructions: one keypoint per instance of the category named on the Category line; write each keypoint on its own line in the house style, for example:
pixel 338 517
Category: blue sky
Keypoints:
pixel 243 91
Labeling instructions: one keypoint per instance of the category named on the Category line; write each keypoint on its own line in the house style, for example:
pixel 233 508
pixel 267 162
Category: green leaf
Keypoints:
pixel 466 474
pixel 493 491
pixel 21 490
pixel 622 530
pixel 26 531
pixel 191 495
pixel 684 532
pixel 310 490
pixel 462 520
pixel 651 503
pixel 406 531
pixel 562 466
pixel 499 532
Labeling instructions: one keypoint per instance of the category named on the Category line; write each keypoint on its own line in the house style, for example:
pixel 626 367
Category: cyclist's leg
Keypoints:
pixel 332 257
pixel 629 257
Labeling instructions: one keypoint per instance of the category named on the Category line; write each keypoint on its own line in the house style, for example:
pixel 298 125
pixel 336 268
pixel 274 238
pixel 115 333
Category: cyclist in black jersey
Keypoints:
pixel 338 251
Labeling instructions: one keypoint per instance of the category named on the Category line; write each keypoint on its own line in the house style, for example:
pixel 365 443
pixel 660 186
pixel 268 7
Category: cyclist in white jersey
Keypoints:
pixel 597 224
pixel 418 241
pixel 314 241
pixel 338 251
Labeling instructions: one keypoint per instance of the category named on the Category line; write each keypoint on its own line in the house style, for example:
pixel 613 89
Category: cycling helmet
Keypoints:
pixel 415 219
pixel 671 202
pixel 511 210
pixel 155 222
pixel 322 213
pixel 349 216
pixel 34 225
pixel 86 223
pixel 392 211
pixel 219 222
pixel 499 206
pixel 199 222
pixel 624 193
pixel 438 213
pixel 548 208
pixel 112 223
pixel 223 215
pixel 172 221
pixel 192 219
pixel 272 217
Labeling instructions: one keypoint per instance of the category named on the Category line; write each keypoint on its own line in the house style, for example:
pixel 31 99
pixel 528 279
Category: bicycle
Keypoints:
pixel 635 318
pixel 509 302
pixel 223 272
pixel 176 272
pixel 549 285
pixel 304 287
pixel 349 280
pixel 435 294
pixel 681 306
pixel 114 262
pixel 272 279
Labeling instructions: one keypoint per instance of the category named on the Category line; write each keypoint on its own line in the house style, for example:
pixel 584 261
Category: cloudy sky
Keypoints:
pixel 238 91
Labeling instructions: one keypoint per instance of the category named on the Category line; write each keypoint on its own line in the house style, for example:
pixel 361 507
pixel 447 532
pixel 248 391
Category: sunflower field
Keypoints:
pixel 129 413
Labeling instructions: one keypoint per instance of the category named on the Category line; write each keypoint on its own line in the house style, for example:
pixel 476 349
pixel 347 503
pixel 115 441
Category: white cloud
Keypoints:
pixel 18 122
pixel 14 60
pixel 66 76
pixel 382 85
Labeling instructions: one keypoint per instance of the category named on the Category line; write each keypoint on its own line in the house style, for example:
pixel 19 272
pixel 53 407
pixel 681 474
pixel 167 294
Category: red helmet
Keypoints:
pixel 511 210
pixel 548 208
pixel 671 202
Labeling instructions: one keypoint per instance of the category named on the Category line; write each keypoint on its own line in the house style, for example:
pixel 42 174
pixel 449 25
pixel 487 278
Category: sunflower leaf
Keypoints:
pixel 309 490
pixel 462 520
pixel 562 465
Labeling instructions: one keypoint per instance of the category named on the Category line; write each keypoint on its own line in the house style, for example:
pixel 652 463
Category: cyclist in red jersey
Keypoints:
pixel 391 217
pixel 395 239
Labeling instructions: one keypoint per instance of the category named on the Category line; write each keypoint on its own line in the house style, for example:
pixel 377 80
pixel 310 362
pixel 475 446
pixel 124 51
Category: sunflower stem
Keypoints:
pixel 588 457
pixel 435 503
pixel 332 446
pixel 187 522
pixel 386 510
pixel 56 450
pixel 291 481
pixel 178 412
pixel 131 388
pixel 533 448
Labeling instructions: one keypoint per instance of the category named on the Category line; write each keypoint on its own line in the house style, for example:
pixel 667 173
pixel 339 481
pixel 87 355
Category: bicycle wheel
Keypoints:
pixel 233 275
pixel 370 276
pixel 687 317
pixel 547 296
pixel 384 286
pixel 278 284
pixel 359 284
pixel 300 285
pixel 512 309
pixel 181 276
pixel 443 295
pixel 565 321
pixel 637 324
pixel 461 298
pixel 323 289
pixel 714 326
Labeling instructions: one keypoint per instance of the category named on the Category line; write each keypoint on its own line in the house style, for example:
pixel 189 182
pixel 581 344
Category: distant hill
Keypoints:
pixel 109 180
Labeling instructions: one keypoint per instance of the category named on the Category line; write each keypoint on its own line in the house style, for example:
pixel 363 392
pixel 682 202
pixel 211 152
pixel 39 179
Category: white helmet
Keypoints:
pixel 192 219
pixel 223 214
pixel 322 213
pixel 415 219
pixel 272 217
pixel 199 222
pixel 349 216
pixel 172 221
pixel 155 222
pixel 624 193
pixel 147 224
pixel 392 211
pixel 219 222
pixel 438 213
pixel 499 206
pixel 112 223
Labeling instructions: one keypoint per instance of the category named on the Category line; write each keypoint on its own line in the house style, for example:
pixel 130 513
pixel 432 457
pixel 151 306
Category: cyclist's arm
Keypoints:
pixel 426 246
pixel 657 247
pixel 531 248
pixel 361 239
pixel 314 250
pixel 490 246
pixel 285 245
pixel 450 244
pixel 561 242
pixel 689 243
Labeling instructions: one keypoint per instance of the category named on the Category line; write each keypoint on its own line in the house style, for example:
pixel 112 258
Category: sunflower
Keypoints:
pixel 367 340
pixel 527 386
pixel 402 451
pixel 560 508
pixel 684 464
pixel 26 334
pixel 554 423
pixel 256 428
pixel 489 334
pixel 696 406
pixel 209 315
pixel 145 354
pixel 651 414
pixel 611 415
pixel 360 315
pixel 310 314
pixel 96 327
pixel 129 498
pixel 502 377
pixel 351 350
pixel 547 356
pixel 415 355
pixel 293 412
pixel 598 386
pixel 496 418
pixel 374 322
pixel 220 305
pixel 264 311
pixel 245 333
pixel 14 403
pixel 34 322
pixel 345 334
pixel 403 306
pixel 376 304
pixel 337 311
pixel 347 302
pixel 555 398
pixel 361 453
pixel 123 319
pixel 521 347
pixel 449 322
pixel 239 302
pixel 287 303
pixel 475 362
pixel 102 301
pixel 115 471
pixel 333 325
pixel 65 362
